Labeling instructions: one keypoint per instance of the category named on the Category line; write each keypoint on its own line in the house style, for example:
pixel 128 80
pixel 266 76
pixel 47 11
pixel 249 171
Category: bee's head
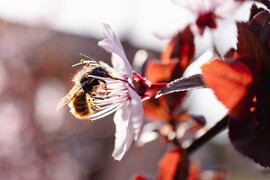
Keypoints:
pixel 100 72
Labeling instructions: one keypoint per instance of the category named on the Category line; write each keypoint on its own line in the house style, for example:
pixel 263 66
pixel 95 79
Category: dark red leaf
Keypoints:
pixel 265 2
pixel 156 109
pixel 260 25
pixel 254 10
pixel 251 138
pixel 182 84
pixel 249 46
pixel 230 82
pixel 173 165
pixel 157 71
pixel 181 47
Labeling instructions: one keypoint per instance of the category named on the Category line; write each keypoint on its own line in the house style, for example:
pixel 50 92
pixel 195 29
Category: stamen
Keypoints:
pixel 90 102
pixel 105 106
pixel 105 88
pixel 106 78
pixel 119 100
pixel 106 112
pixel 103 97
pixel 98 114
pixel 108 99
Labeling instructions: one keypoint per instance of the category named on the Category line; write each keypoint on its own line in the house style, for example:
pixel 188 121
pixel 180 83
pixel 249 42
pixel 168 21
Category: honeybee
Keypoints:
pixel 79 97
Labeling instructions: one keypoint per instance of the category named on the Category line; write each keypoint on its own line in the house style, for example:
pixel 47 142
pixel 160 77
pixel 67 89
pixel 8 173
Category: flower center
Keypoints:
pixel 207 20
pixel 141 84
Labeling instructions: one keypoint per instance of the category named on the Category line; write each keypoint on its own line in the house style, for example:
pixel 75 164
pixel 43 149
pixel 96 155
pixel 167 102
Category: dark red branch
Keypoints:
pixel 212 132
pixel 158 85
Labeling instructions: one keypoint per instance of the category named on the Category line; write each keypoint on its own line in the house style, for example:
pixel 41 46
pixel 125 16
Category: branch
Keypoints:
pixel 212 132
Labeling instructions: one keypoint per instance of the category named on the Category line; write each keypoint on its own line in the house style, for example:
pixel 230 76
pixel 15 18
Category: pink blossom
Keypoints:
pixel 206 12
pixel 128 118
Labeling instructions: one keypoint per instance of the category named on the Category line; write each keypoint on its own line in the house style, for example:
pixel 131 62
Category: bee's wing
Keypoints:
pixel 67 98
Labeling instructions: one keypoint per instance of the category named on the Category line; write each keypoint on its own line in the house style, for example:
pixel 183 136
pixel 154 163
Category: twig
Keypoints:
pixel 221 125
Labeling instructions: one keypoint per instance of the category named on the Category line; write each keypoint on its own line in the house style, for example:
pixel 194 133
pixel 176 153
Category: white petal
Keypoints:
pixel 136 117
pixel 124 132
pixel 110 35
pixel 113 45
pixel 107 45
pixel 118 64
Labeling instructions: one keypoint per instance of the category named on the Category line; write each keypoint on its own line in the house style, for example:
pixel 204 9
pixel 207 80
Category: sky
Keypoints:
pixel 133 19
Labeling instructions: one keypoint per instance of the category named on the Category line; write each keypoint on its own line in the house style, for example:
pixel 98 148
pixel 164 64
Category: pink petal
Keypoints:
pixel 118 64
pixel 136 117
pixel 112 45
pixel 124 132
pixel 110 35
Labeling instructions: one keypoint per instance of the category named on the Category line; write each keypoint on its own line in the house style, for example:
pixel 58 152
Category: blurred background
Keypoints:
pixel 41 39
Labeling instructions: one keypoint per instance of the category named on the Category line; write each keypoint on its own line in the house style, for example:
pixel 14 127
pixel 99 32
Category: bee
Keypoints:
pixel 79 97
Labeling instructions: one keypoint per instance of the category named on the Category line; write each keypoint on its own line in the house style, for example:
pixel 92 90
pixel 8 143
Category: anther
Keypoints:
pixel 86 75
pixel 82 61
pixel 91 104
pixel 89 120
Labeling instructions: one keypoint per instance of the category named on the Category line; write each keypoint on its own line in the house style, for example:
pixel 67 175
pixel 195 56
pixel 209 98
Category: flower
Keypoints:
pixel 100 90
pixel 206 12
pixel 128 118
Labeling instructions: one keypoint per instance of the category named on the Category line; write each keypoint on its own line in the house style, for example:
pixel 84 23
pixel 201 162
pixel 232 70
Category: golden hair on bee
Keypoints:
pixel 80 97
pixel 78 76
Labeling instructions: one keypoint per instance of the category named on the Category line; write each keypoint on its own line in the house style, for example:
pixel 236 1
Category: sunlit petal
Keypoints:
pixel 123 131
pixel 136 113
pixel 112 45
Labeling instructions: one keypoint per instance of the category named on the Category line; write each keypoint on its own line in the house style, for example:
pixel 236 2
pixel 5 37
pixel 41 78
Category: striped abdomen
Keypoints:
pixel 80 106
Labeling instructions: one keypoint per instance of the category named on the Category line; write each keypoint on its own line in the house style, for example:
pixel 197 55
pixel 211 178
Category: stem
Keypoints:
pixel 158 85
pixel 213 131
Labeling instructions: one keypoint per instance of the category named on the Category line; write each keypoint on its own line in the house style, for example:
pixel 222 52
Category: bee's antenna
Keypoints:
pixel 91 61
pixel 89 57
